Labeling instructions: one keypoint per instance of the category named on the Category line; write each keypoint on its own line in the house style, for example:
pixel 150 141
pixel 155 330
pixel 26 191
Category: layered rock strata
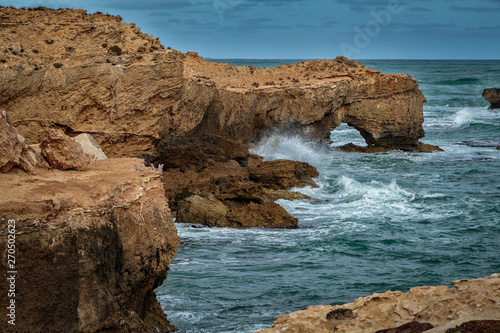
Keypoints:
pixel 469 306
pixel 90 248
pixel 13 149
pixel 95 74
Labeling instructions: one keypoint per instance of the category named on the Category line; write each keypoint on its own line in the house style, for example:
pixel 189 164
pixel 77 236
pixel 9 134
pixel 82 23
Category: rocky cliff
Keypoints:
pixel 214 181
pixel 469 306
pixel 95 74
pixel 90 248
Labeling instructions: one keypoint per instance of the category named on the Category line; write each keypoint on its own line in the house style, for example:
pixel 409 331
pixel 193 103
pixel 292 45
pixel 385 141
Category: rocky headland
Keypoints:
pixel 95 238
pixel 94 74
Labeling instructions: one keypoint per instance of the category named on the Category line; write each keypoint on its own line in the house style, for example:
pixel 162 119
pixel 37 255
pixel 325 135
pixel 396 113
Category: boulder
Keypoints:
pixel 204 210
pixel 62 152
pixel 492 95
pixel 13 150
pixel 212 212
pixel 90 146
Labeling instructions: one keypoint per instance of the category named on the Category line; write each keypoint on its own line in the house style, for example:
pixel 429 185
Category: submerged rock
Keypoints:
pixel 492 95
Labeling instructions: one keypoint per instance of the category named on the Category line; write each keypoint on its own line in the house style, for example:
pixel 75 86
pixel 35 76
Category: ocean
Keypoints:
pixel 378 222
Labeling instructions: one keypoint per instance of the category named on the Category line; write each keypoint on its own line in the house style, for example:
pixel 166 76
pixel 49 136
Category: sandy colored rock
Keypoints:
pixel 91 247
pixel 67 65
pixel 13 150
pixel 90 146
pixel 62 152
pixel 442 307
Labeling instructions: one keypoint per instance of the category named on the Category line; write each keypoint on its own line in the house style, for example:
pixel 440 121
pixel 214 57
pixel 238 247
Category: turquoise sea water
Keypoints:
pixel 379 222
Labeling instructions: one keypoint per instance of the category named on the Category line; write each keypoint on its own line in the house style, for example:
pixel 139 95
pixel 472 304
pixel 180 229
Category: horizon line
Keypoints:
pixel 426 59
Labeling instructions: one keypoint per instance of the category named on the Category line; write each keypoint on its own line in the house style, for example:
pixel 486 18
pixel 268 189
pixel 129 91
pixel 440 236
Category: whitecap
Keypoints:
pixel 463 118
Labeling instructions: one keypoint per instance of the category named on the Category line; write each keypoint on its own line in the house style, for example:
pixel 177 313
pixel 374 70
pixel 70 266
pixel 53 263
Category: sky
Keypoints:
pixel 310 29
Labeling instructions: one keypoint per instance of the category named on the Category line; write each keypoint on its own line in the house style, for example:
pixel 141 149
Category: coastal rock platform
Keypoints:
pixel 466 307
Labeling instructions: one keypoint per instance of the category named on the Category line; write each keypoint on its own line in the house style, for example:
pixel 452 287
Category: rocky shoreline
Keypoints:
pixel 469 306
pixel 93 239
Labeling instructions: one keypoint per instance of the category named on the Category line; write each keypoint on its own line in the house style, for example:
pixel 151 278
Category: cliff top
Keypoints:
pixel 42 37
pixel 75 188
pixel 310 73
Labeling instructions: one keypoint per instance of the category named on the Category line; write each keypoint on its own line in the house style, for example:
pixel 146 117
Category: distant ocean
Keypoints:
pixel 386 221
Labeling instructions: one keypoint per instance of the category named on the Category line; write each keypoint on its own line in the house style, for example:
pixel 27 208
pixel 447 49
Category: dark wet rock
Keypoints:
pixel 480 143
pixel 418 148
pixel 492 95
pixel 196 153
pixel 477 326
pixel 412 327
pixel 214 181
pixel 340 314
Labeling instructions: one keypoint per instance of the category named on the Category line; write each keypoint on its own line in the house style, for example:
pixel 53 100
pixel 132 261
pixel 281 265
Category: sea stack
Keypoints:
pixel 492 95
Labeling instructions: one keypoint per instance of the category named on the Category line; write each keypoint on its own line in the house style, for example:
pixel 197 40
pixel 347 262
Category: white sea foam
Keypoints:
pixel 373 191
pixel 463 117
pixel 287 147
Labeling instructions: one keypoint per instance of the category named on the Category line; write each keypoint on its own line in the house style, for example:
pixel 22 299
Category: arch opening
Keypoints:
pixel 344 135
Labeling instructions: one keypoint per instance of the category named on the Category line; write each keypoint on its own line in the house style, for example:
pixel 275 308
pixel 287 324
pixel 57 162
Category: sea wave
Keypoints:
pixel 461 81
pixel 281 146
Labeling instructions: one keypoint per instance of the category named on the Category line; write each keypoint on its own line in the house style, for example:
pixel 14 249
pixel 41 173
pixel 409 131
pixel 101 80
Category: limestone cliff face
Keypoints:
pixel 92 73
pixel 86 73
pixel 90 248
pixel 469 306
pixel 311 97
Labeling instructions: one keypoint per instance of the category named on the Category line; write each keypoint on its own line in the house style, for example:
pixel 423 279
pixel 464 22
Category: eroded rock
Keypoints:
pixel 214 181
pixel 63 152
pixel 131 99
pixel 445 309
pixel 283 174
pixel 90 146
pixel 492 95
pixel 91 247
pixel 13 150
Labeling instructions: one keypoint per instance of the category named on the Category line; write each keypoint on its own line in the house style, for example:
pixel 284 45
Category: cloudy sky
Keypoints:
pixel 309 29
